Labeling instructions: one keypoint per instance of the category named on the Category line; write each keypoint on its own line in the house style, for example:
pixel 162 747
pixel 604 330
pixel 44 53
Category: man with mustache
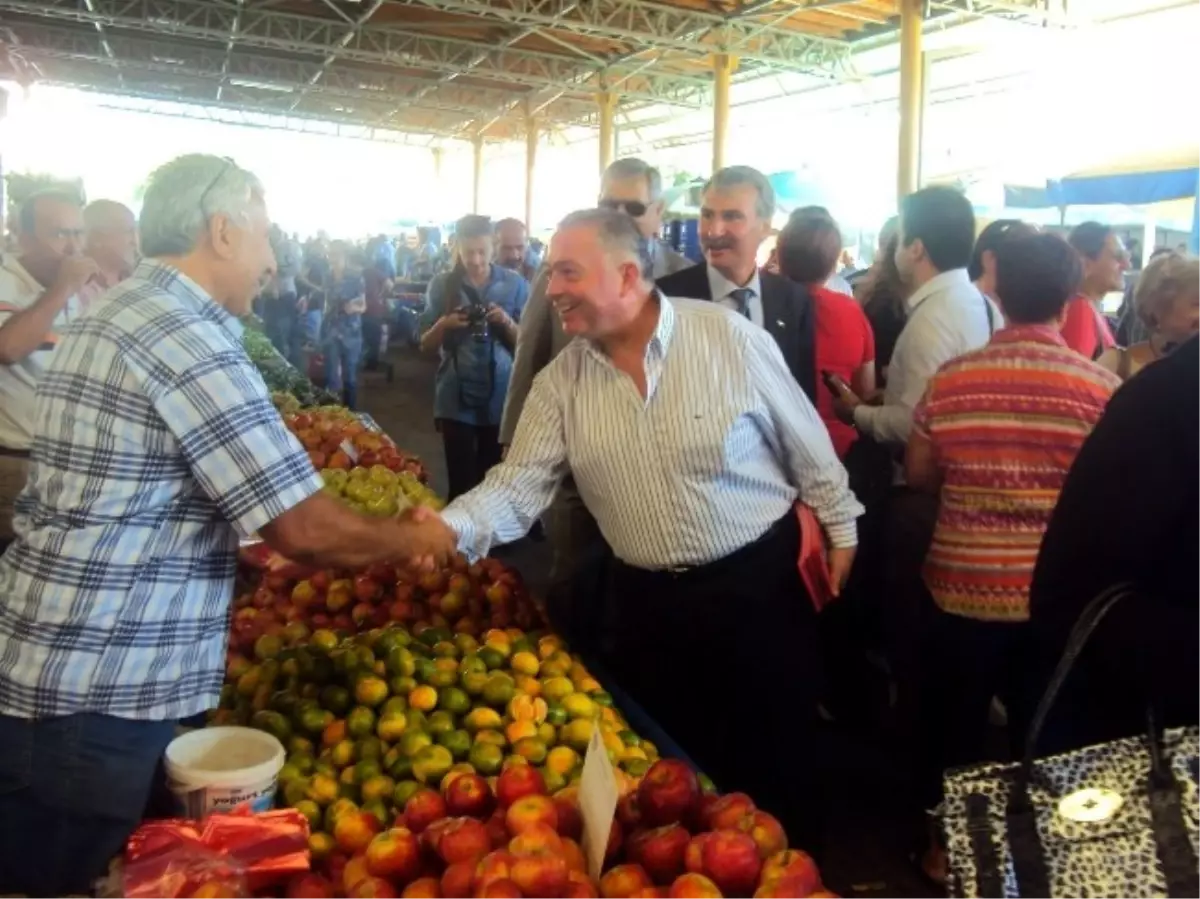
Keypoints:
pixel 630 186
pixel 735 218
pixel 690 442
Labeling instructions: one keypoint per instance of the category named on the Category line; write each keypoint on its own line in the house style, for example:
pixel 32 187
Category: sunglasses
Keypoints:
pixel 228 164
pixel 632 208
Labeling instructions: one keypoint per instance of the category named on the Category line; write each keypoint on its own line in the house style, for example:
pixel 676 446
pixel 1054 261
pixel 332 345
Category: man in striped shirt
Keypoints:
pixel 39 296
pixel 690 443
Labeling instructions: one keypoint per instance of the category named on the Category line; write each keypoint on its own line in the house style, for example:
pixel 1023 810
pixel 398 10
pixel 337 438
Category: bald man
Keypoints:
pixel 112 240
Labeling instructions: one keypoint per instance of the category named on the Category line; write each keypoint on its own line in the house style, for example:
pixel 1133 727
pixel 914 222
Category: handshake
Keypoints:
pixel 427 541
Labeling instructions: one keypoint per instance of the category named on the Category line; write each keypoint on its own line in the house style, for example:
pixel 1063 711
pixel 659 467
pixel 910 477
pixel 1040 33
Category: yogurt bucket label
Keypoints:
pixel 196 803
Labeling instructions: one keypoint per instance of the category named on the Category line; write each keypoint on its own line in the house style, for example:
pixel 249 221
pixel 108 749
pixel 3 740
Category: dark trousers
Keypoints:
pixel 577 595
pixel 470 451
pixel 373 340
pixel 969 663
pixel 282 324
pixel 72 789
pixel 724 658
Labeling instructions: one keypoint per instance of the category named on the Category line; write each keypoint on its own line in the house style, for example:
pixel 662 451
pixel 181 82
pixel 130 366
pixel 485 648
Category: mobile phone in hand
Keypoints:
pixel 833 383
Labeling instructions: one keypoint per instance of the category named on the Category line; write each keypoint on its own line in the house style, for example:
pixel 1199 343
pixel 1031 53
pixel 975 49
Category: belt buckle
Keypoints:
pixel 677 570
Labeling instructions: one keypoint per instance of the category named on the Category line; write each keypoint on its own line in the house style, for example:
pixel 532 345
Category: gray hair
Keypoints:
pixel 183 194
pixel 736 176
pixel 27 214
pixel 618 233
pixel 1164 280
pixel 629 168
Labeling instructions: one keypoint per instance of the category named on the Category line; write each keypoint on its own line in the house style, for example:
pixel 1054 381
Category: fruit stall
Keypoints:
pixel 438 740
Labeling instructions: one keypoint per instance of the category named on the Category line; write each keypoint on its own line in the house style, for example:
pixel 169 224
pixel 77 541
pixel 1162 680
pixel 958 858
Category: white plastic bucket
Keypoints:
pixel 217 769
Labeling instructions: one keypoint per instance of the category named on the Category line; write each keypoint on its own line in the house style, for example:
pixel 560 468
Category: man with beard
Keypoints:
pixel 574 597
pixel 690 442
pixel 735 218
pixel 40 290
pixel 512 247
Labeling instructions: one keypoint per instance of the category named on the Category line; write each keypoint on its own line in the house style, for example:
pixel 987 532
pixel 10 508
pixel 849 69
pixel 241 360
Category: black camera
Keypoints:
pixel 477 320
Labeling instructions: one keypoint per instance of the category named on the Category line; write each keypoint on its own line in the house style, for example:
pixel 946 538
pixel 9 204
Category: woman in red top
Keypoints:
pixel 807 250
pixel 1104 259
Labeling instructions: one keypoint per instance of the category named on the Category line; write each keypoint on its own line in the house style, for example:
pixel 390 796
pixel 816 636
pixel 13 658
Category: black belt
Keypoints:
pixel 717 566
pixel 14 453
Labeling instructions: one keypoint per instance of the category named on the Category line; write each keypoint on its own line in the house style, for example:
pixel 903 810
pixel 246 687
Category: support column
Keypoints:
pixel 437 164
pixel 531 143
pixel 608 108
pixel 477 179
pixel 723 67
pixel 908 171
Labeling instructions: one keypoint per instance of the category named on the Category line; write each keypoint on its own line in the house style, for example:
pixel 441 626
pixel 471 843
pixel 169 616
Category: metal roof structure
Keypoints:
pixel 444 68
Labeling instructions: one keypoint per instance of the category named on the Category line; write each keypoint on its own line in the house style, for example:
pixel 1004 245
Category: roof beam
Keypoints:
pixel 233 31
pixel 350 35
pixel 375 44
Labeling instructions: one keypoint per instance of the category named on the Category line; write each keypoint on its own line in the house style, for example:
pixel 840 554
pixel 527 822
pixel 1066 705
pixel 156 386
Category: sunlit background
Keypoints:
pixel 1020 110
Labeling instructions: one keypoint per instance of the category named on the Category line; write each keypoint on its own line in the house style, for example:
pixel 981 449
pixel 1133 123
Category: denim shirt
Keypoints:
pixel 341 325
pixel 472 376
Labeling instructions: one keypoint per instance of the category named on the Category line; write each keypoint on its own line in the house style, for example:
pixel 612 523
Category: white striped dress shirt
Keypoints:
pixel 718 451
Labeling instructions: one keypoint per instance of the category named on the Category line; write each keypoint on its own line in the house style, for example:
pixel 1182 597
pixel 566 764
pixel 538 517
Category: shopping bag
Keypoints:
pixel 1117 819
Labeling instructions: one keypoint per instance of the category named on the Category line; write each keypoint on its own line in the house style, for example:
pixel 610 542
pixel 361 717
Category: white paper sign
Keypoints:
pixel 597 801
pixel 348 448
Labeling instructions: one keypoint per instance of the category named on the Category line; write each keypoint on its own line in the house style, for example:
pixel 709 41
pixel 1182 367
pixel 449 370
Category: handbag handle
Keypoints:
pixel 1081 633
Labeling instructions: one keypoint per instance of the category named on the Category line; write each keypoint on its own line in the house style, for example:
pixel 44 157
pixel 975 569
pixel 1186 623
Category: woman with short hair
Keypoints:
pixel 1167 301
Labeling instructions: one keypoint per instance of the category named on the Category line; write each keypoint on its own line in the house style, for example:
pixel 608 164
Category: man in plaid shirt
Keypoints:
pixel 156 446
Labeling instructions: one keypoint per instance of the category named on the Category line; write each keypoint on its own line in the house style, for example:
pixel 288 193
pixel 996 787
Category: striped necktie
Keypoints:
pixel 741 296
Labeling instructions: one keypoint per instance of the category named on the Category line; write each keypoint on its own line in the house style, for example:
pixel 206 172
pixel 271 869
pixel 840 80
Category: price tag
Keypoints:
pixel 368 422
pixel 348 448
pixel 597 802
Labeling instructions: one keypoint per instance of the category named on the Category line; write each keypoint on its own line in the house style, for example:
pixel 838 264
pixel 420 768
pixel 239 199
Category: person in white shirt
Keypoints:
pixel 112 240
pixel 39 297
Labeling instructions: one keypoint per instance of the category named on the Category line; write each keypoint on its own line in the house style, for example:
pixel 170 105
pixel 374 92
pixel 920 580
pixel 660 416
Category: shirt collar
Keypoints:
pixel 1048 334
pixel 660 339
pixel 722 287
pixel 951 280
pixel 181 287
pixel 13 264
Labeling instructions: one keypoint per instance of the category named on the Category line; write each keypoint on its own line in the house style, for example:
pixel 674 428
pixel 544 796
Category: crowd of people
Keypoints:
pixel 950 423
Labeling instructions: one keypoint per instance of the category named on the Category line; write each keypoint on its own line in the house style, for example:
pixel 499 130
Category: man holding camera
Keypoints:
pixel 470 319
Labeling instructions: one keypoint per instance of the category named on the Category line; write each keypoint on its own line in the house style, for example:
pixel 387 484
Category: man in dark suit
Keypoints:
pixel 735 218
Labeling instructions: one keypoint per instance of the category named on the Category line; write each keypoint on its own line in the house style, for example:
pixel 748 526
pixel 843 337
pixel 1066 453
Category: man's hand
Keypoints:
pixel 497 316
pixel 455 320
pixel 428 542
pixel 74 272
pixel 845 401
pixel 840 562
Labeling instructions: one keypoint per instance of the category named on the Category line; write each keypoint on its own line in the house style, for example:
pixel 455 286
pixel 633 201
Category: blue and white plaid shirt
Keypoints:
pixel 155 445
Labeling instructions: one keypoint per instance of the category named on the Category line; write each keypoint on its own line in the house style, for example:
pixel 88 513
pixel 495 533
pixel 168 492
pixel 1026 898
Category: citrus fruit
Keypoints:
pixel 371 690
pixel 554 781
pixel 403 792
pixel 523 707
pixel 423 698
pixel 562 759
pixel 311 811
pixel 474 682
pixel 482 719
pixel 498 690
pixel 579 705
pixel 491 736
pixel 323 640
pixel 485 757
pixel 531 686
pixel 394 705
pixel 402 686
pixel 440 722
pixel 268 646
pixel 431 763
pixel 445 650
pixel 377 789
pixel 322 789
pixel 344 753
pixel 547 733
pixel 531 748
pixel 577 733
pixel 391 726
pixel 635 767
pixel 525 663
pixel 454 700
pixel 519 730
pixel 492 657
pixel 457 741
pixel 414 741
pixel 401 662
pixel 556 689
pixel 360 722
pixel 321 845
pixel 555 713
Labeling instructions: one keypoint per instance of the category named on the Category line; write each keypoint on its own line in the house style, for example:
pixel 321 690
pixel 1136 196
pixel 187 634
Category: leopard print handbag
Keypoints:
pixel 1117 819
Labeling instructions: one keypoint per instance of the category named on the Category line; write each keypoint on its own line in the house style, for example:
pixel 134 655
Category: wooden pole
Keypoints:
pixel 608 108
pixel 477 181
pixel 908 171
pixel 723 68
pixel 531 143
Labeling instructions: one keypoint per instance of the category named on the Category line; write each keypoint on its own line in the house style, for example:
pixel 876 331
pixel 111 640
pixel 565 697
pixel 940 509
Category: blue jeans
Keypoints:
pixel 342 358
pixel 72 789
pixel 311 328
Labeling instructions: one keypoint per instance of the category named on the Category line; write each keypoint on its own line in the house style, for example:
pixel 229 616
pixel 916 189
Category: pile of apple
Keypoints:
pixel 668 839
pixel 335 438
pixel 290 602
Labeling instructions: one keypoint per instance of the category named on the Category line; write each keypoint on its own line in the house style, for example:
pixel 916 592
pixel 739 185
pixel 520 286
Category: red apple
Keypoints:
pixel 580 886
pixel 309 886
pixel 728 810
pixel 496 865
pixel 529 811
pixel 572 852
pixel 793 865
pixel 503 888
pixel 423 808
pixel 395 855
pixel 457 880
pixel 354 870
pixel 496 828
pixel 668 792
pixel 731 859
pixel 423 888
pixel 570 822
pixel 372 888
pixel 463 840
pixel 766 831
pixel 543 876
pixel 623 881
pixel 629 813
pixel 366 588
pixel 660 851
pixel 517 781
pixel 538 839
pixel 693 856
pixel 468 794
pixel 694 886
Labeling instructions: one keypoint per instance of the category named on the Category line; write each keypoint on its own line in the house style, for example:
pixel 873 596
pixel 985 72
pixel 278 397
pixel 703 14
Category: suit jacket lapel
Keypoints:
pixel 788 316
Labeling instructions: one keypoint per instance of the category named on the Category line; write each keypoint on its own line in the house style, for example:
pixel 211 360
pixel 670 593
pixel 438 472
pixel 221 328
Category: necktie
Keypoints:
pixel 741 297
